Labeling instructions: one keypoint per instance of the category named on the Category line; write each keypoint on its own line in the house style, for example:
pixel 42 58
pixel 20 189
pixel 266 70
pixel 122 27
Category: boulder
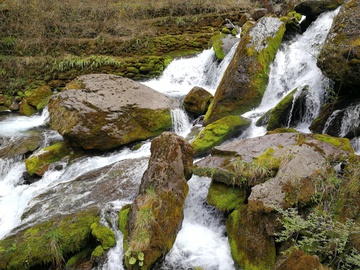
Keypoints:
pixel 298 260
pixel 156 215
pixel 288 112
pixel 38 97
pixel 197 101
pixel 339 58
pixel 246 77
pixel 39 162
pixel 102 111
pixel 219 131
pixel 313 8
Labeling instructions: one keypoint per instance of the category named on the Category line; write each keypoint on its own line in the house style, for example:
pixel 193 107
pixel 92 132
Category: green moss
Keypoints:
pixel 39 97
pixel 123 218
pixel 98 252
pixel 47 243
pixel 39 161
pixel 26 108
pixel 251 247
pixel 80 256
pixel 104 235
pixel 225 197
pixel 217 44
pixel 341 143
pixel 268 160
pixel 280 111
pixel 216 133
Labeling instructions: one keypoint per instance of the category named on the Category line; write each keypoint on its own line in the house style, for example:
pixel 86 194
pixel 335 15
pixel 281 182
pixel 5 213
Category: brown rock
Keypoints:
pixel 197 101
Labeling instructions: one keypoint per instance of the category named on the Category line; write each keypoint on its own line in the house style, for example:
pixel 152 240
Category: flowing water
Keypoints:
pixel 202 241
pixel 294 67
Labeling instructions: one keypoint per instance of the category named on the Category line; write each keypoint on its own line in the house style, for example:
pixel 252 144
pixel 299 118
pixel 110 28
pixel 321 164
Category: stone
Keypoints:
pixel 156 215
pixel 218 132
pixel 197 101
pixel 246 77
pixel 298 260
pixel 100 111
pixel 339 58
pixel 313 8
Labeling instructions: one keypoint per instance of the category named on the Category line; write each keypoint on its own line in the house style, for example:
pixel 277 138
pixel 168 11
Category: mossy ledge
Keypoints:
pixel 49 243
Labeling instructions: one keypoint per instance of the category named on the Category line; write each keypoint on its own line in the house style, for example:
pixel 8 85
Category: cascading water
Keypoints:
pixel 295 67
pixel 202 241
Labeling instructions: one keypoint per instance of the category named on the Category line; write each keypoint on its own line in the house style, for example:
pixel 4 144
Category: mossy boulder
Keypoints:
pixel 156 215
pixel 298 260
pixel 250 244
pixel 218 132
pixel 339 58
pixel 223 42
pixel 104 235
pixel 48 243
pixel 39 162
pixel 38 97
pixel 288 112
pixel 197 101
pixel 246 77
pixel 313 8
pixel 108 111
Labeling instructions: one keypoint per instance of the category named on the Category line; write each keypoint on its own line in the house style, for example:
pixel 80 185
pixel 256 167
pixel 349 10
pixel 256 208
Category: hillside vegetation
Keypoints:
pixel 52 40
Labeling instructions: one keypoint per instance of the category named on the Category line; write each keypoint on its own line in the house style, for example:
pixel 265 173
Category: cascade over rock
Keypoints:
pixel 102 111
pixel 339 58
pixel 156 215
pixel 245 79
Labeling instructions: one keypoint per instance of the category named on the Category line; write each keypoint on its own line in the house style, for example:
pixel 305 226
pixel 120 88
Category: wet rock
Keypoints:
pixel 105 111
pixel 39 162
pixel 313 8
pixel 219 131
pixel 259 13
pixel 156 215
pixel 38 97
pixel 289 111
pixel 245 79
pixel 339 57
pixel 197 101
pixel 298 260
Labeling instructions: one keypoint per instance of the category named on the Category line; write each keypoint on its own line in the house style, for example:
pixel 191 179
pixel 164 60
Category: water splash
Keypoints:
pixel 181 122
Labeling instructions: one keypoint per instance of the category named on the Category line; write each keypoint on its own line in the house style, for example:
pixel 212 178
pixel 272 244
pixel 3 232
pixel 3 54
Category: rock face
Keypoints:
pixel 156 215
pixel 245 79
pixel 101 111
pixel 253 179
pixel 339 58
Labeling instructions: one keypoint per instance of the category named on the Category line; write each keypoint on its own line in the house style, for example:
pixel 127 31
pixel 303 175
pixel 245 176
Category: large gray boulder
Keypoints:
pixel 100 111
pixel 339 58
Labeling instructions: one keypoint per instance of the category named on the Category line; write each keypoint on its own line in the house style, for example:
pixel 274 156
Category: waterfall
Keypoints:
pixel 183 74
pixel 181 122
pixel 294 67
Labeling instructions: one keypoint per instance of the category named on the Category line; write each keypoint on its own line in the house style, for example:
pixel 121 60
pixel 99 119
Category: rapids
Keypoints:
pixel 202 241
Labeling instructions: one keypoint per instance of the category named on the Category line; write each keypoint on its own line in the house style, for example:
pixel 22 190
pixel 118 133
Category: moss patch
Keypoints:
pixel 48 243
pixel 104 235
pixel 341 143
pixel 217 132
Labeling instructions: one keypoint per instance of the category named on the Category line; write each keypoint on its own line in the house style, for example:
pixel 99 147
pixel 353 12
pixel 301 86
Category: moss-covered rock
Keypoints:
pixel 218 132
pixel 197 101
pixel 38 97
pixel 109 111
pixel 104 235
pixel 339 57
pixel 156 215
pixel 39 162
pixel 26 109
pixel 298 260
pixel 251 246
pixel 288 112
pixel 225 197
pixel 246 77
pixel 313 8
pixel 48 243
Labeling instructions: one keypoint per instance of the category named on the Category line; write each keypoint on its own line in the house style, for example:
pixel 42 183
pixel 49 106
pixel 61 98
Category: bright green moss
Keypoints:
pixel 98 252
pixel 45 156
pixel 47 243
pixel 216 133
pixel 78 257
pixel 225 197
pixel 123 218
pixel 104 235
pixel 217 44
pixel 341 143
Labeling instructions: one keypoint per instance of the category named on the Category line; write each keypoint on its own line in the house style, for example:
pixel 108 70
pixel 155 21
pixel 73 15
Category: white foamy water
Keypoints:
pixel 294 67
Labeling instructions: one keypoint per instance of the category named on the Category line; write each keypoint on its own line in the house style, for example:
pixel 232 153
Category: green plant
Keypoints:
pixel 321 235
pixel 54 237
pixel 135 257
